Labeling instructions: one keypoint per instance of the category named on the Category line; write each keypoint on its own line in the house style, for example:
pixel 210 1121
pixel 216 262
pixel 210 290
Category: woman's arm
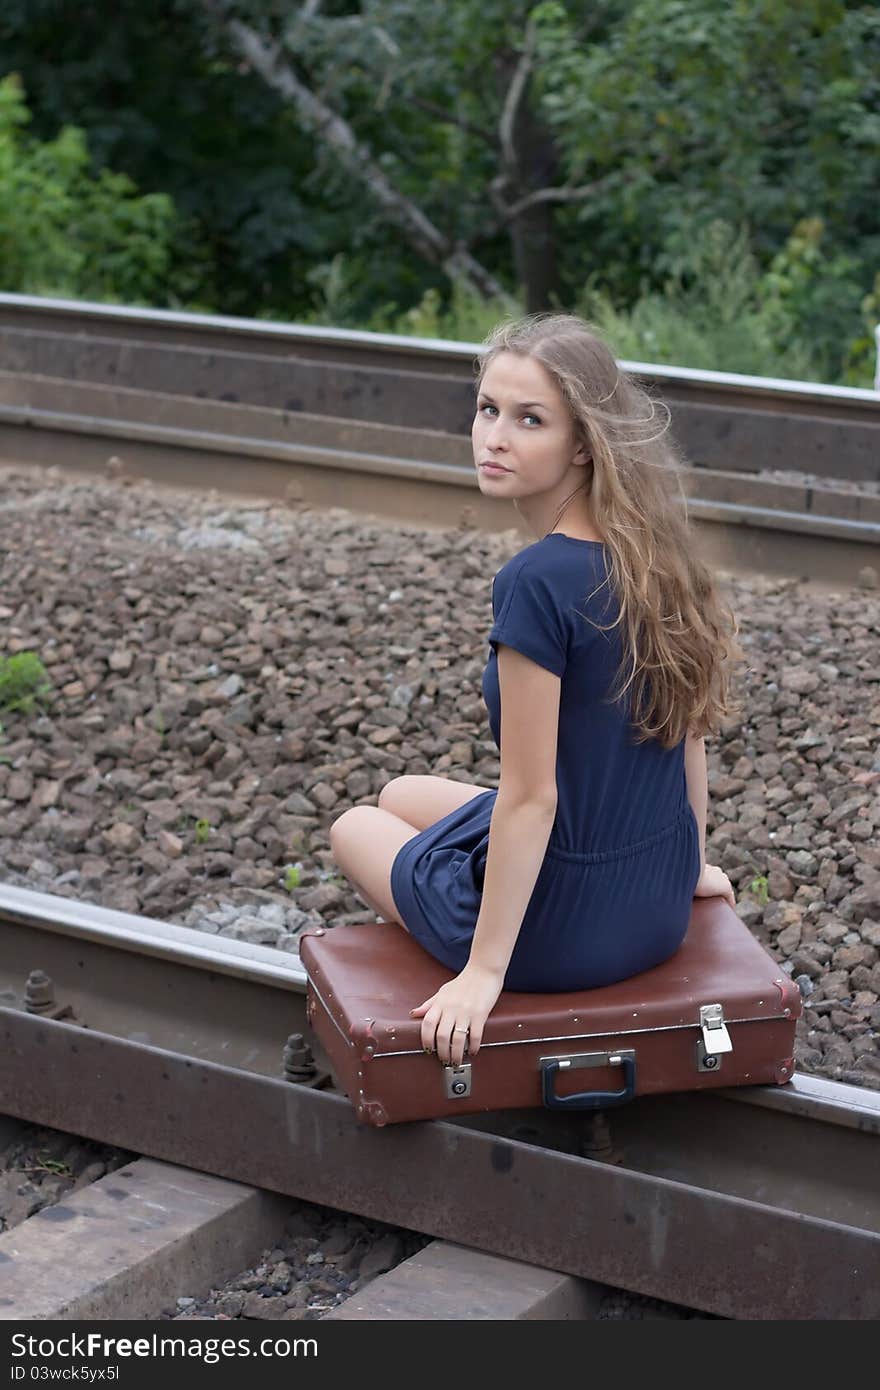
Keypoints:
pixel 713 882
pixel 522 819
pixel 518 836
pixel 697 787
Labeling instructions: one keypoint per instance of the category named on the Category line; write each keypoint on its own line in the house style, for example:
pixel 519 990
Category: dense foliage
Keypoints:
pixel 699 176
pixel 67 230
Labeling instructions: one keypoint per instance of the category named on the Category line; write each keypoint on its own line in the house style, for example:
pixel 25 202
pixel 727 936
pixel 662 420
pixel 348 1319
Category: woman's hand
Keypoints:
pixel 714 883
pixel 453 1019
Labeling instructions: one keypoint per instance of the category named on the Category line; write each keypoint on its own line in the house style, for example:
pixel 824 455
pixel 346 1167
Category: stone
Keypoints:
pixel 779 885
pixel 252 929
pixel 338 1241
pixel 230 687
pixel 802 863
pixel 324 795
pixel 870 931
pixel 789 938
pixel 386 1253
pixel 848 957
pixel 833 933
pixel 47 794
pixel 800 680
pixel 269 1309
pixel 71 831
pixel 122 837
pixel 20 786
pixel 864 902
pixel 321 898
pixel 749 911
pixel 834 985
pixel 169 844
pixel 230 1304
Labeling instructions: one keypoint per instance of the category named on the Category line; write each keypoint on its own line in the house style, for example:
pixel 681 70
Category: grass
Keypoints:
pixel 24 681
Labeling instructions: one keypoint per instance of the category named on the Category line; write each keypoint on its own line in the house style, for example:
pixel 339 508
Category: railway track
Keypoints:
pixel 155 1240
pixel 786 475
pixel 752 1203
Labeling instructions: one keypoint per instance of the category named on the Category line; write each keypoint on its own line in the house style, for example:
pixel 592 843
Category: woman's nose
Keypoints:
pixel 496 436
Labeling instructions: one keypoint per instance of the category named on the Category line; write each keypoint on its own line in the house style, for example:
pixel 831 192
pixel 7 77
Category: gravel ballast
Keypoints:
pixel 227 677
pixel 40 1166
pixel 322 1257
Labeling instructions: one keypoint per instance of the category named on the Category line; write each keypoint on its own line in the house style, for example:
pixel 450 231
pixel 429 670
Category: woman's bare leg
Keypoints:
pixel 365 839
pixel 423 799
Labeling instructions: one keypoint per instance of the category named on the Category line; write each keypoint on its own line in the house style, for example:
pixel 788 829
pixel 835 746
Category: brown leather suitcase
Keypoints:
pixel 720 1012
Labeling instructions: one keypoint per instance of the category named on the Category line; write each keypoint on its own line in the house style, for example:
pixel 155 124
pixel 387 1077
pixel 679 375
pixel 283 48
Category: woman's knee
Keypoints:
pixel 395 792
pixel 423 798
pixel 343 826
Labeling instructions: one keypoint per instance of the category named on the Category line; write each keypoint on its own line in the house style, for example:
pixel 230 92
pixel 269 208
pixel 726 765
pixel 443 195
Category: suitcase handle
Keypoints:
pixel 588 1100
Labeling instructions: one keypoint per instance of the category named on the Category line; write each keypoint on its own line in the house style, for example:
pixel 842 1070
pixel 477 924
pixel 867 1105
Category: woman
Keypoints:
pixel 609 662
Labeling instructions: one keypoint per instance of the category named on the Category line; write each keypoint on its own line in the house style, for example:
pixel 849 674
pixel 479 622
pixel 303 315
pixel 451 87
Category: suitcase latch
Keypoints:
pixel 457 1081
pixel 715 1039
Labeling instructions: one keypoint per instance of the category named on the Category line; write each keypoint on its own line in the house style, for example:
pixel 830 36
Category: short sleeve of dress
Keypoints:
pixel 528 617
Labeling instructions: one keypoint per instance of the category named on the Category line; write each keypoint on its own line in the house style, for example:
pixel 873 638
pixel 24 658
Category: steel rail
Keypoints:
pixel 721 419
pixel 175 1054
pixel 147 936
pixel 260 334
pixel 246 450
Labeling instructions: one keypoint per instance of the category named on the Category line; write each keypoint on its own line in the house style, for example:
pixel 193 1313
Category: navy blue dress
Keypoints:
pixel 614 892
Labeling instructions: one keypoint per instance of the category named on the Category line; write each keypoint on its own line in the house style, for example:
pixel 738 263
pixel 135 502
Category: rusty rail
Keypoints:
pixel 740 423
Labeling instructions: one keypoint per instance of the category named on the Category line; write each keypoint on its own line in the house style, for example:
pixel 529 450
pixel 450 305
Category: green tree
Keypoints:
pixel 161 103
pixel 426 112
pixel 65 230
pixel 437 99
pixel 760 114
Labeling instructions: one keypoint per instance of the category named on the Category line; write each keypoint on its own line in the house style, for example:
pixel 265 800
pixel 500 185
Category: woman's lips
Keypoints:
pixel 493 468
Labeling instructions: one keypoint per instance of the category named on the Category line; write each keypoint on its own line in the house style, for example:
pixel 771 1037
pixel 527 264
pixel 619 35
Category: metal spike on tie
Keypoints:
pixel 39 998
pixel 39 993
pixel 297 1061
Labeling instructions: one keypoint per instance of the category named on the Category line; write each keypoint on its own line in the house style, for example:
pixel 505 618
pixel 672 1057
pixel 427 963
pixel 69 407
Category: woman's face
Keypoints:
pixel 523 424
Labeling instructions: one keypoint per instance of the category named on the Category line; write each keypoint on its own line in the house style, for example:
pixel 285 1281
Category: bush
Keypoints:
pixel 805 318
pixel 23 681
pixel 67 231
pixel 467 318
pixel 461 316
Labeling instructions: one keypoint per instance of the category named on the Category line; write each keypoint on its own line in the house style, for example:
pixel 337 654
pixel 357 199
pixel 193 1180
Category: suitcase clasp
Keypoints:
pixel 716 1038
pixel 457 1081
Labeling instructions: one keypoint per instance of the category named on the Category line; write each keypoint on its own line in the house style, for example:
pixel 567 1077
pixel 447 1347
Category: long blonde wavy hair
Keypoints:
pixel 679 639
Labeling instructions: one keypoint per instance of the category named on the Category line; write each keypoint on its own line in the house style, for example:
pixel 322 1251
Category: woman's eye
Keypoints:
pixel 486 408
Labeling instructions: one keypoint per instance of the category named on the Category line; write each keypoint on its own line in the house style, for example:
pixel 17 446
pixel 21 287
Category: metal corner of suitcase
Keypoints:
pixel 791 1000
